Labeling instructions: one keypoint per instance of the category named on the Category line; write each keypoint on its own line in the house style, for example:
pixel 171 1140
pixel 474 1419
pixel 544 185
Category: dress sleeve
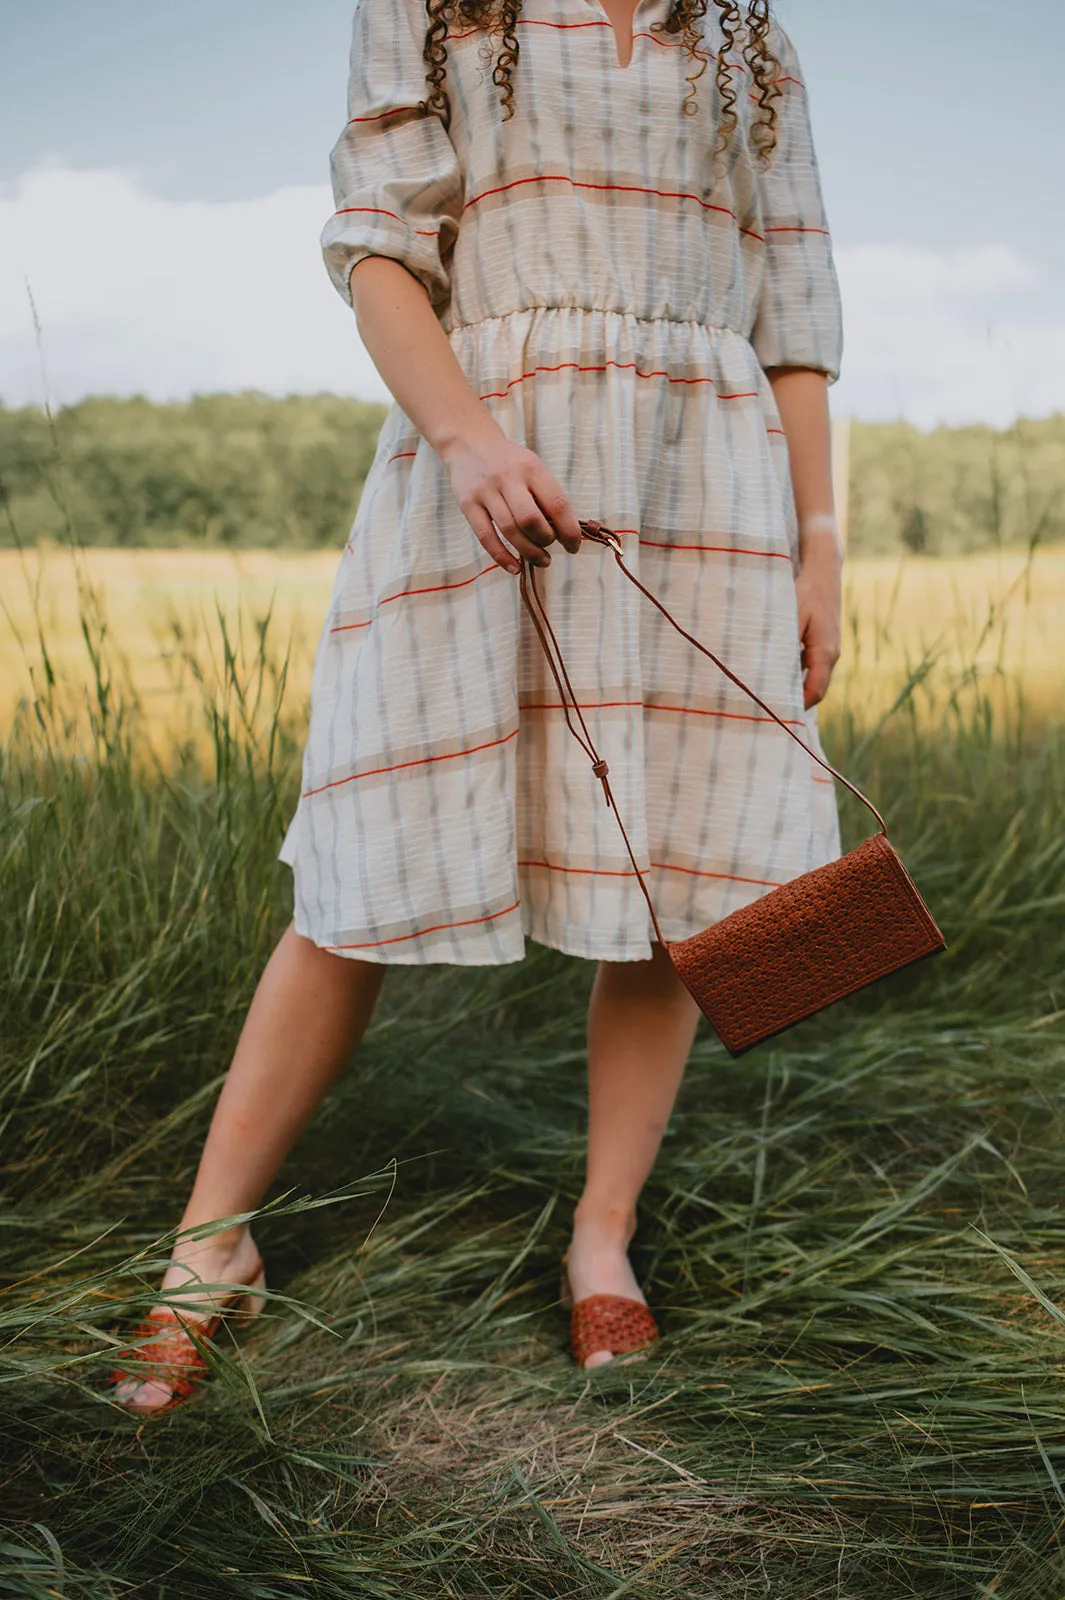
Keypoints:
pixel 397 184
pixel 798 319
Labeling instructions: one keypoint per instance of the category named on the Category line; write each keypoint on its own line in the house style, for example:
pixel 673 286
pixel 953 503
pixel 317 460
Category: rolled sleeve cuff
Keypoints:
pixel 360 231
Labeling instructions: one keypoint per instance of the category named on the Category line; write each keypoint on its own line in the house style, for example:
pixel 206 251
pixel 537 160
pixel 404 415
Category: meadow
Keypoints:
pixel 986 623
pixel 853 1239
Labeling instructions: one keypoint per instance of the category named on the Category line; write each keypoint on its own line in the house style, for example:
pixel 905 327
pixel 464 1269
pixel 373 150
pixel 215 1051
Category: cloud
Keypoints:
pixel 167 298
pixel 947 336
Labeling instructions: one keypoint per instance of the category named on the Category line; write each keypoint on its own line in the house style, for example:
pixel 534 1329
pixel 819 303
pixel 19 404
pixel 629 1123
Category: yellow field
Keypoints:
pixel 1000 617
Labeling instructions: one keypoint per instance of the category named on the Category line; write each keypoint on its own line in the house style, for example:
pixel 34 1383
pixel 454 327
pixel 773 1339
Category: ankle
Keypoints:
pixel 221 1246
pixel 606 1219
pixel 220 1258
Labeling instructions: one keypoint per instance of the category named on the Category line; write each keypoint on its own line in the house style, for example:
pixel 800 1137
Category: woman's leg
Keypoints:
pixel 641 1024
pixel 307 1016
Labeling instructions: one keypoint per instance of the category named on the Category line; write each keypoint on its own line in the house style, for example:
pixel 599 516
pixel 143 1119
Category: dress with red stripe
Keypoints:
pixel 615 295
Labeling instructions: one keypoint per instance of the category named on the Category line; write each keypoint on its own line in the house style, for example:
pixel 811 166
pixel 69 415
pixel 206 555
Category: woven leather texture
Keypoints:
pixel 168 1348
pixel 806 945
pixel 169 1355
pixel 610 1322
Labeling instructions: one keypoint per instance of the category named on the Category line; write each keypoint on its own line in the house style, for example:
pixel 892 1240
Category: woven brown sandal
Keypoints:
pixel 169 1348
pixel 613 1322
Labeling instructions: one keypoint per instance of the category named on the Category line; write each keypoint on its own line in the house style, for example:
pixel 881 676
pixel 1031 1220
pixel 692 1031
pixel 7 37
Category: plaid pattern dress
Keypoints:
pixel 614 297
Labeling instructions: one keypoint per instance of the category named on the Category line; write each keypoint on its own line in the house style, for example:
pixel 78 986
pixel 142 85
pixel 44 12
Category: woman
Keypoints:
pixel 598 281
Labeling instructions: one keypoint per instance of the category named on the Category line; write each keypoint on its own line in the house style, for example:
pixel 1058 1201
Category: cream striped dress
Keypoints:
pixel 614 300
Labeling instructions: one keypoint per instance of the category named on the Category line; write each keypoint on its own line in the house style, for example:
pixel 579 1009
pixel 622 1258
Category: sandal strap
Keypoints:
pixel 175 1354
pixel 172 1356
pixel 611 1322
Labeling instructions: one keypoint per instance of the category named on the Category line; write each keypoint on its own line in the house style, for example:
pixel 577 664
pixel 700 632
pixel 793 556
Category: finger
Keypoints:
pixel 528 517
pixel 481 523
pixel 819 665
pixel 816 684
pixel 555 504
pixel 821 652
pixel 503 517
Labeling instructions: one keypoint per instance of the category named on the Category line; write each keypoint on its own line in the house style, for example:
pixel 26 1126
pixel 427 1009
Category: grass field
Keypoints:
pixel 996 618
pixel 853 1239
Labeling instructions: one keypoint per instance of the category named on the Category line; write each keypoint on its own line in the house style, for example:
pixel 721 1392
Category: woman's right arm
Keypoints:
pixel 494 480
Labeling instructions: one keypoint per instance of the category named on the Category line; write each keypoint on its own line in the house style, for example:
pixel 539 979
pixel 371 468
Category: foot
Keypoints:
pixel 223 1258
pixel 598 1263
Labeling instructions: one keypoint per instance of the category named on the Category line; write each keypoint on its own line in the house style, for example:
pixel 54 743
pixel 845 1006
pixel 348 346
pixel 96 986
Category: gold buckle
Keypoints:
pixel 601 535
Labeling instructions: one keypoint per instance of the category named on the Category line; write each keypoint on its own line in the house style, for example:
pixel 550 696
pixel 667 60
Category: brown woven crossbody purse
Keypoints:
pixel 805 944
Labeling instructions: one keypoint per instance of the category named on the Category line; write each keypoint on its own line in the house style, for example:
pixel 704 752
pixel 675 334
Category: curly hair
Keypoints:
pixel 499 18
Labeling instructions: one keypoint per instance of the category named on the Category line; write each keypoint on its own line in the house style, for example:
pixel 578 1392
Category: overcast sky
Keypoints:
pixel 164 178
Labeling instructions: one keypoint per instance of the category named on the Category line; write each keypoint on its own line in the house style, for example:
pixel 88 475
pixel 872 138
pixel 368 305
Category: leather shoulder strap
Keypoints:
pixel 546 635
pixel 533 601
pixel 601 535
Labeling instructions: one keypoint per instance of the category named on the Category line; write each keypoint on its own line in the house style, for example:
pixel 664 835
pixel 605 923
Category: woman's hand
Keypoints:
pixel 818 592
pixel 502 485
pixel 499 484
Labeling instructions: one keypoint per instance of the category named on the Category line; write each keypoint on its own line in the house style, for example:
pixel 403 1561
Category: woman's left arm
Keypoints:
pixel 801 394
pixel 798 339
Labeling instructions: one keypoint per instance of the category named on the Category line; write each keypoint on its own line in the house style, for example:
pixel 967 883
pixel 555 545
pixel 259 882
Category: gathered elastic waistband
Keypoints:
pixel 592 311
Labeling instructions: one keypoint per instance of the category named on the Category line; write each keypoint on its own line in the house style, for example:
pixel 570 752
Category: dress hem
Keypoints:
pixel 548 939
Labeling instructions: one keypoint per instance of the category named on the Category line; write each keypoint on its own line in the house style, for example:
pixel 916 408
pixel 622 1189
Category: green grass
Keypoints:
pixel 853 1238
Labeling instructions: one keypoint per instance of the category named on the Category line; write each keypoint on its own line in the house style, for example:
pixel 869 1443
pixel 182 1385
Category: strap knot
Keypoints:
pixel 600 769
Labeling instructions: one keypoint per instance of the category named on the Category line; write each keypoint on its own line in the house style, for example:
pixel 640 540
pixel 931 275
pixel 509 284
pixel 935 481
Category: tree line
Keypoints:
pixel 245 470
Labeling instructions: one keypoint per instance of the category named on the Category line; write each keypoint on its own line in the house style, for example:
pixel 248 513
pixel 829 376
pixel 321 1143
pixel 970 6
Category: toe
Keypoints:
pixel 599 1358
pixel 146 1396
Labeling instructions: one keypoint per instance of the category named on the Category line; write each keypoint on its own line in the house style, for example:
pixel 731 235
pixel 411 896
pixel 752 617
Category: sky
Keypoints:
pixel 164 180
